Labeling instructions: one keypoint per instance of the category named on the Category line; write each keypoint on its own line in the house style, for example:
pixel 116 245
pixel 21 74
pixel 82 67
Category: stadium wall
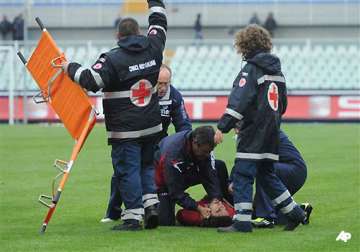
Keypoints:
pixel 209 108
pixel 298 32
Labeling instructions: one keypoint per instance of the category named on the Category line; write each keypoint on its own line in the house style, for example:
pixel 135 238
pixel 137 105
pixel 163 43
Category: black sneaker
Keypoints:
pixel 128 225
pixel 151 219
pixel 295 217
pixel 307 207
pixel 262 223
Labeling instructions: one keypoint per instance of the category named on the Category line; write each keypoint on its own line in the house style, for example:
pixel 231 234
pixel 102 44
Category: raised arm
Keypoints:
pixel 157 23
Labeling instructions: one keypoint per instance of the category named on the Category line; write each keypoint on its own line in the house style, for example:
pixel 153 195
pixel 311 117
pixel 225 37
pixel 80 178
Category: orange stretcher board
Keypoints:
pixel 69 101
pixel 67 98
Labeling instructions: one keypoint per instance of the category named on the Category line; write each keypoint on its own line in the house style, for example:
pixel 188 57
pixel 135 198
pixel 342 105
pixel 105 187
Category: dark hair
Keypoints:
pixel 204 135
pixel 127 27
pixel 251 39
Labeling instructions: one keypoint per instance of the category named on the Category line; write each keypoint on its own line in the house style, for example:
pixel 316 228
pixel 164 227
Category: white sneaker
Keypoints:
pixel 106 220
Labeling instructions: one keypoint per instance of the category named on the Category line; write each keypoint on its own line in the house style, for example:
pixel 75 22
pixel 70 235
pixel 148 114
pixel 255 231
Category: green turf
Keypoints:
pixel 27 152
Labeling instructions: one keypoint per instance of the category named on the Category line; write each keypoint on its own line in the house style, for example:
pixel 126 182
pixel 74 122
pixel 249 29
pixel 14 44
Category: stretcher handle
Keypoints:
pixel 45 200
pixel 42 27
pixel 61 165
pixel 40 98
pixel 57 62
pixel 22 58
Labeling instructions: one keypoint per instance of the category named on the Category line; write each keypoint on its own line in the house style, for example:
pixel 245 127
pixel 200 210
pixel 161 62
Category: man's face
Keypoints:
pixel 163 82
pixel 201 152
pixel 217 208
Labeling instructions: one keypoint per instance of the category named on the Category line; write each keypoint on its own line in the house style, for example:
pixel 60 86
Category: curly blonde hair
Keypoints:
pixel 252 38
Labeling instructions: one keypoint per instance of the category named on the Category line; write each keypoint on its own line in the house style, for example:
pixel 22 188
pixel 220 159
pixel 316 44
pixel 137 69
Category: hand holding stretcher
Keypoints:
pixel 67 99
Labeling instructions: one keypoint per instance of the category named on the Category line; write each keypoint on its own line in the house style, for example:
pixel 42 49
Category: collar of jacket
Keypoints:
pixel 134 43
pixel 252 54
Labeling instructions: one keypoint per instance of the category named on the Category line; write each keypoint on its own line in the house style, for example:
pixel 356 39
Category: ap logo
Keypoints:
pixel 344 236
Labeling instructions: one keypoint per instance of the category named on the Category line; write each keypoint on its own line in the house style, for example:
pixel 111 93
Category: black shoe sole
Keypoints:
pixel 152 222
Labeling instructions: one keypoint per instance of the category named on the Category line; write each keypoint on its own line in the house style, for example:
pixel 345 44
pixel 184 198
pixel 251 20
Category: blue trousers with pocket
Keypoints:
pixel 133 177
pixel 291 170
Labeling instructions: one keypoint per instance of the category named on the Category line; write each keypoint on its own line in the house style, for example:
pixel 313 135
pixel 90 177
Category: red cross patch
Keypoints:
pixel 141 92
pixel 273 96
pixel 242 82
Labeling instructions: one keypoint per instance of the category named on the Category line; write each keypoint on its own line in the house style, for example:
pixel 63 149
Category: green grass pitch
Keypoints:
pixel 332 153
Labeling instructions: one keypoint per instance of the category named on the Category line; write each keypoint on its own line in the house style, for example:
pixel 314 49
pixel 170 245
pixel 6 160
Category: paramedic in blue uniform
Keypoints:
pixel 173 111
pixel 171 103
pixel 292 171
pixel 127 76
pixel 183 160
pixel 258 99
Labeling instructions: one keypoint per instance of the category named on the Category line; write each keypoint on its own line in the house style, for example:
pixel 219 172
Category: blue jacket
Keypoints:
pixel 127 76
pixel 258 100
pixel 177 170
pixel 173 110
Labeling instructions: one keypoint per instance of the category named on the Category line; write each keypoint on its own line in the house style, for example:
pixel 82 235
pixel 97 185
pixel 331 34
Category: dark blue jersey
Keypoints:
pixel 177 170
pixel 172 110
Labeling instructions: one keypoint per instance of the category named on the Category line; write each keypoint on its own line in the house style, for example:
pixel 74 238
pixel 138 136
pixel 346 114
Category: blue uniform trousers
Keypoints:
pixel 244 175
pixel 133 179
pixel 291 170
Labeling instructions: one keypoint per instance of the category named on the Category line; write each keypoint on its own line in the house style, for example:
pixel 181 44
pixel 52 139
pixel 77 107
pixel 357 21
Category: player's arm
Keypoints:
pixel 93 78
pixel 175 183
pixel 179 116
pixel 157 23
pixel 241 96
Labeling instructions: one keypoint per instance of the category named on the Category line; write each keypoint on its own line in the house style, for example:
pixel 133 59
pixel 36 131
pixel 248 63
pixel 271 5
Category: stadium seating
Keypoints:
pixel 215 66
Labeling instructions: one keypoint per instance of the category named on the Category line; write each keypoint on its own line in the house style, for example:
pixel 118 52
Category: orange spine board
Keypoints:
pixel 67 98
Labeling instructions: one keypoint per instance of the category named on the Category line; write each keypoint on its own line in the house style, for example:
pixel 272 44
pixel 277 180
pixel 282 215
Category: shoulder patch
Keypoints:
pixel 97 66
pixel 153 32
pixel 242 82
pixel 273 96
